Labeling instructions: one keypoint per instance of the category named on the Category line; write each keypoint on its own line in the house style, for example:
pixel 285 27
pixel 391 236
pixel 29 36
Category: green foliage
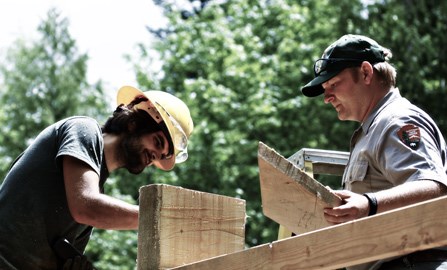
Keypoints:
pixel 239 66
pixel 414 32
pixel 44 81
pixel 111 250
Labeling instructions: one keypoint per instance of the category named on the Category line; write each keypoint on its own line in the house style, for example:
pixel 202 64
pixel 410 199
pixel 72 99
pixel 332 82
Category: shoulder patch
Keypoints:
pixel 410 135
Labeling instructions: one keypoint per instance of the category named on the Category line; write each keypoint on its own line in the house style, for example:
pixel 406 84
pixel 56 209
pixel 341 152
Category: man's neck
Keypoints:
pixel 378 92
pixel 111 143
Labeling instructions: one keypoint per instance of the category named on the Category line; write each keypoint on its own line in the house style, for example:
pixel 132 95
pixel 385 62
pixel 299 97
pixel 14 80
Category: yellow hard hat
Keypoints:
pixel 164 107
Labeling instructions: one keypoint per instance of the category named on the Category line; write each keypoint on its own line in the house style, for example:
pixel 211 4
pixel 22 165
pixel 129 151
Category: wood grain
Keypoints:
pixel 398 232
pixel 290 196
pixel 179 226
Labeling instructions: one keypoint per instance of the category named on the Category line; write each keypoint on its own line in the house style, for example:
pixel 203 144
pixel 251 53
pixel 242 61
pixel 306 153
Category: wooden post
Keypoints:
pixel 179 226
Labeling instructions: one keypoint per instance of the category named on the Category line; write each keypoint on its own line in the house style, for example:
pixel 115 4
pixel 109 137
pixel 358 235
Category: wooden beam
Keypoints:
pixel 179 226
pixel 291 197
pixel 398 232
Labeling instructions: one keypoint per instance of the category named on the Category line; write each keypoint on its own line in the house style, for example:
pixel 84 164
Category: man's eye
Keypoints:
pixel 157 142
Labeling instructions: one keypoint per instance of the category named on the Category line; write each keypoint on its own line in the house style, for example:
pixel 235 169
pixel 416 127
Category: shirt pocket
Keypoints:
pixel 356 171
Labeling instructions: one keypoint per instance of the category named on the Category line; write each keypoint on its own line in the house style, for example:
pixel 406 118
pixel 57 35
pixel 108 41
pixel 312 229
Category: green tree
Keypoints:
pixel 43 82
pixel 413 31
pixel 240 65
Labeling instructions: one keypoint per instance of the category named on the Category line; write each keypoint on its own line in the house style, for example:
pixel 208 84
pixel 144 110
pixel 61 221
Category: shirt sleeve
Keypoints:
pixel 81 138
pixel 412 150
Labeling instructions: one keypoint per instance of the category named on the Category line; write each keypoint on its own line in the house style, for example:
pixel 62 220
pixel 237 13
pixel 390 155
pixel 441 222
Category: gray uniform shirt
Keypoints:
pixel 33 204
pixel 397 143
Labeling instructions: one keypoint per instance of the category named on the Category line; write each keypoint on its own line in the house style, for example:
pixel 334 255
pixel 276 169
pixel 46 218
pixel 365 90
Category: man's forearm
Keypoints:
pixel 105 212
pixel 409 193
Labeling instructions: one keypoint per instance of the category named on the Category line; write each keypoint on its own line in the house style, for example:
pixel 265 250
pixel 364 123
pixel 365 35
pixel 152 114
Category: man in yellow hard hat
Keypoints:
pixel 53 194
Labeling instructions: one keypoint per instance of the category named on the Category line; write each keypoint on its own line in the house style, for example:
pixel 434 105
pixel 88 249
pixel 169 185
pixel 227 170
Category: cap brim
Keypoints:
pixel 126 94
pixel 314 88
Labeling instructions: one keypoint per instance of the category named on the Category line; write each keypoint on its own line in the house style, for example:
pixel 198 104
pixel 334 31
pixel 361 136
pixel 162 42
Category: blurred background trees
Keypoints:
pixel 43 81
pixel 239 65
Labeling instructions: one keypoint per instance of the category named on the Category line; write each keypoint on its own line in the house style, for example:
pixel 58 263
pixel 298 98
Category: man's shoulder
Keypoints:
pixel 399 108
pixel 78 119
pixel 78 122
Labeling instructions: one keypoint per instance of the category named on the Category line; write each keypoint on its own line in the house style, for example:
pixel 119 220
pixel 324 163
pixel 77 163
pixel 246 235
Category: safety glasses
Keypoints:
pixel 180 141
pixel 178 136
pixel 329 64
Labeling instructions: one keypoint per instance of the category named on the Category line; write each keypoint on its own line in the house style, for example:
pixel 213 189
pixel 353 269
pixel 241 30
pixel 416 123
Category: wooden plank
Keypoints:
pixel 412 228
pixel 290 196
pixel 179 226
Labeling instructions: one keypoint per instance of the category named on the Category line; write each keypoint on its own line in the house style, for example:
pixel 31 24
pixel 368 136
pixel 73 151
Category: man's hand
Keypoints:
pixel 78 263
pixel 355 206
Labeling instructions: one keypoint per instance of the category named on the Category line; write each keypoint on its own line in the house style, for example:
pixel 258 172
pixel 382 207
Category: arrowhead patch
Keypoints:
pixel 410 135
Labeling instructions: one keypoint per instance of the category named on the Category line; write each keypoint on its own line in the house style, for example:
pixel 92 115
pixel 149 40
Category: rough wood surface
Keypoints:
pixel 179 226
pixel 398 232
pixel 290 196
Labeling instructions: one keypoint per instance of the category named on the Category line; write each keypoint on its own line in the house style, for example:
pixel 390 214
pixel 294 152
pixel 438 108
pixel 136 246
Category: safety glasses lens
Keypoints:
pixel 179 139
pixel 181 157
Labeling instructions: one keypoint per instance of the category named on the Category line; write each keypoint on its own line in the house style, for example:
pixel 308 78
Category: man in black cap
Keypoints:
pixel 398 154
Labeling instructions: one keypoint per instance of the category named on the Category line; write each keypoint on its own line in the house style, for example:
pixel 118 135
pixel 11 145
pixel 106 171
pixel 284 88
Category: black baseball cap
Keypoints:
pixel 347 51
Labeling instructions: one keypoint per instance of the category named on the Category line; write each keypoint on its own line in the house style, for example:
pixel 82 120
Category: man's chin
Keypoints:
pixel 136 170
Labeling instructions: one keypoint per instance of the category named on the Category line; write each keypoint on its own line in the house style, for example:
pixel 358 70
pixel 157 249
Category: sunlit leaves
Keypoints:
pixel 44 81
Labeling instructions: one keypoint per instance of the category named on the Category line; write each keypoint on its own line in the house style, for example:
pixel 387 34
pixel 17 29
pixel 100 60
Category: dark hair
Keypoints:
pixel 126 116
pixel 128 119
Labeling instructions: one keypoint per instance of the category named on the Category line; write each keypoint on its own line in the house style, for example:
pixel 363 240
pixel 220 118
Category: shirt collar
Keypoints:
pixel 392 95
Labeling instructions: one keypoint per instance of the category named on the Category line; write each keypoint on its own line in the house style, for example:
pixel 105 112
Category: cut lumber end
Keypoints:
pixel 179 226
pixel 289 195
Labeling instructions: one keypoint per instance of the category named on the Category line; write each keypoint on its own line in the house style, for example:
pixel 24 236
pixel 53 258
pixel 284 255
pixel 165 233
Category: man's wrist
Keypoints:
pixel 372 201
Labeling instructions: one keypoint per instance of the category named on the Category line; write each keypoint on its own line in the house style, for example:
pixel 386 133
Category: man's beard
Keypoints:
pixel 130 153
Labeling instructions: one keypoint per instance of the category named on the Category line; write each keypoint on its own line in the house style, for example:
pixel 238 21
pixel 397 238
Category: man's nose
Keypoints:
pixel 328 98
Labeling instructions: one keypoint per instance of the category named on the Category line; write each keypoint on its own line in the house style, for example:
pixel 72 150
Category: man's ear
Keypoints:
pixel 366 70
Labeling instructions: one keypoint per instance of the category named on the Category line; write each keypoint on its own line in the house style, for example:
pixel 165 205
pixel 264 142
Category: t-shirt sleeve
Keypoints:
pixel 81 138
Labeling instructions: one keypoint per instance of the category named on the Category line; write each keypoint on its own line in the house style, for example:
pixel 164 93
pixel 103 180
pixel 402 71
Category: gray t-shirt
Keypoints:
pixel 33 205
